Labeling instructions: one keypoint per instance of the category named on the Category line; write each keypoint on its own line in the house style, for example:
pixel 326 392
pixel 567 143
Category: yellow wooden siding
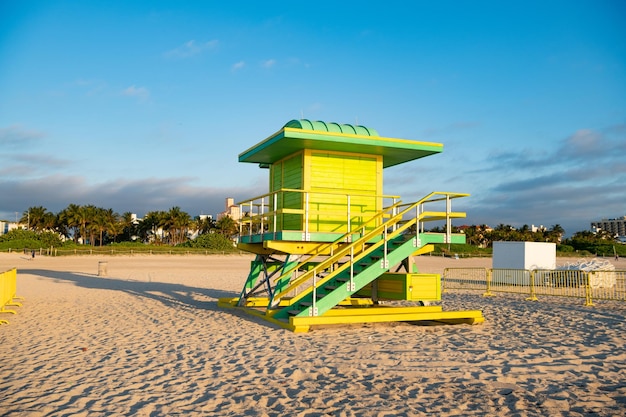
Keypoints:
pixel 288 173
pixel 341 174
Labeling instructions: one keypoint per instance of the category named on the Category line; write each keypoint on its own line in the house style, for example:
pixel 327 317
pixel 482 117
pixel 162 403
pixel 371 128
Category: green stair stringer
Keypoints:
pixel 338 288
pixel 366 262
pixel 262 269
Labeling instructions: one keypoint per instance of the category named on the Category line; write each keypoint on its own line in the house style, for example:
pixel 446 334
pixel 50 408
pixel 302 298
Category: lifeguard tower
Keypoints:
pixel 330 247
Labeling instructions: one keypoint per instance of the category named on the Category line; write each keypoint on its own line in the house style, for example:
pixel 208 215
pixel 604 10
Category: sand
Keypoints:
pixel 149 340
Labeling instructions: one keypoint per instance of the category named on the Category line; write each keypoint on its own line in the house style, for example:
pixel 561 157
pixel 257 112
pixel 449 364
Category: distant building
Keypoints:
pixel 232 210
pixel 536 229
pixel 6 227
pixel 616 227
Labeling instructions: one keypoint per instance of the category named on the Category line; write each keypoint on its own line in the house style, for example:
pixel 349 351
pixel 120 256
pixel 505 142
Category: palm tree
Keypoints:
pixel 556 233
pixel 70 219
pixel 152 223
pixel 49 222
pixel 128 226
pixel 177 223
pixel 34 218
pixel 86 215
pixel 104 221
pixel 205 225
pixel 227 226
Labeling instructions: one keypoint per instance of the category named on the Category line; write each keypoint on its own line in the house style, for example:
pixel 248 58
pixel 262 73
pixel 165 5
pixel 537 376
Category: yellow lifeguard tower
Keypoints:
pixel 330 247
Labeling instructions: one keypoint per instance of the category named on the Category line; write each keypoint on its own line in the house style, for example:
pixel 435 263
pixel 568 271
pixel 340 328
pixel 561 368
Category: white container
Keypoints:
pixel 524 255
pixel 510 259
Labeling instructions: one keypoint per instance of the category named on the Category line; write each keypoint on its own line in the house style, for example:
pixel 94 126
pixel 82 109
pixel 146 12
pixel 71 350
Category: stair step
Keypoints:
pixel 305 303
pixel 294 312
pixel 342 279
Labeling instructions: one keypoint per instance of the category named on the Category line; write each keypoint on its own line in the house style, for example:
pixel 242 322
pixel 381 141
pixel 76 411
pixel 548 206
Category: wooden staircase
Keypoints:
pixel 323 287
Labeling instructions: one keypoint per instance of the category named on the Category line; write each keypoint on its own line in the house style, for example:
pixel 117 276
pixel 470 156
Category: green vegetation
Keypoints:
pixel 480 241
pixel 462 251
pixel 82 229
pixel 28 239
pixel 214 241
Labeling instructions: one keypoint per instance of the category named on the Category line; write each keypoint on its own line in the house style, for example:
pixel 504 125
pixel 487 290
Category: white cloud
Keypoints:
pixel 268 63
pixel 17 136
pixel 56 192
pixel 141 93
pixel 583 142
pixel 191 48
pixel 238 65
pixel 91 87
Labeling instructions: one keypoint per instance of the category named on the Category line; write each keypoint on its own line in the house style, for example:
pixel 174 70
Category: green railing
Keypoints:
pixel 299 211
pixel 402 218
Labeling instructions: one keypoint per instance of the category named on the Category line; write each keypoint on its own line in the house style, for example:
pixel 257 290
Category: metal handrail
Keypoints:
pixel 258 216
pixel 363 251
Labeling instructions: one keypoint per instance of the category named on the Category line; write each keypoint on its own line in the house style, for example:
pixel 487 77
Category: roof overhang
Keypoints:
pixel 290 140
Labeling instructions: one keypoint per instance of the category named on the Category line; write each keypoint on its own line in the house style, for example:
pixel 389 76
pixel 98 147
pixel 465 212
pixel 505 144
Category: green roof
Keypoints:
pixel 318 125
pixel 297 135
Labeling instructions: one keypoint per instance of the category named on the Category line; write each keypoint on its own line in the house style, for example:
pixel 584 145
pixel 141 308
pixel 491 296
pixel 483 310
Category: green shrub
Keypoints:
pixel 464 250
pixel 28 239
pixel 565 248
pixel 213 241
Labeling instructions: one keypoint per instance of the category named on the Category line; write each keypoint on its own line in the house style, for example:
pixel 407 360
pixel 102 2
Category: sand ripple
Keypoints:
pixel 150 341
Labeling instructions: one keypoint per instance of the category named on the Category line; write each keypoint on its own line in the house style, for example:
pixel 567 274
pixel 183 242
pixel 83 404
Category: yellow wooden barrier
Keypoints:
pixel 8 289
pixel 588 286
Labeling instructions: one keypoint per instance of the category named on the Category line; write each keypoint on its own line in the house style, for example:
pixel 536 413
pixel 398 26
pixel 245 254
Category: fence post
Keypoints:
pixel 488 293
pixel 533 294
pixel 588 293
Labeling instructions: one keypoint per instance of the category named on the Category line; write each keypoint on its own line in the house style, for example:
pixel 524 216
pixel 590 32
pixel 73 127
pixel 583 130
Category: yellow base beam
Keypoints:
pixel 363 314
pixel 469 317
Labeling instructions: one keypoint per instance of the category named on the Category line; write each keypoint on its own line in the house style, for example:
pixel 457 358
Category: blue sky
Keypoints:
pixel 146 105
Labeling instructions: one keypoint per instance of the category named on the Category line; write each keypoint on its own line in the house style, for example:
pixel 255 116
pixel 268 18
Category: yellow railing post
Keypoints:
pixel 533 295
pixel 588 292
pixel 488 293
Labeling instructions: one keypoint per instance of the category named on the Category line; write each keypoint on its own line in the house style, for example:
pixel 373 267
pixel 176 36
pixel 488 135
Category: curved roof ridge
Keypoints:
pixel 319 125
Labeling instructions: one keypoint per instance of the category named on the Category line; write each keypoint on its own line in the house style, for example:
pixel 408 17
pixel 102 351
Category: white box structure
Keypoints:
pixel 512 260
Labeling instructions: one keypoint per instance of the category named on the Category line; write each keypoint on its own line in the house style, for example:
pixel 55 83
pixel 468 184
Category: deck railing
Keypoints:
pixel 266 214
pixel 299 211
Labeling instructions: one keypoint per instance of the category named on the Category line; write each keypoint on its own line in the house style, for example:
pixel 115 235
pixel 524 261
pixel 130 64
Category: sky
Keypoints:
pixel 145 105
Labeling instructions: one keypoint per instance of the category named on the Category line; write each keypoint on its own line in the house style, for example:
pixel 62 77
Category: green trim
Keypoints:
pixel 290 140
pixel 293 236
pixel 296 236
pixel 307 124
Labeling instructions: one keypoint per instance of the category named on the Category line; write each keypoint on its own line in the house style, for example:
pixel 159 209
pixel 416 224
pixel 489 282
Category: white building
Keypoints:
pixel 6 227
pixel 232 210
pixel 616 227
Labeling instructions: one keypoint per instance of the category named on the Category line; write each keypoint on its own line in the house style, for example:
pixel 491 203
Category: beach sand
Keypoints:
pixel 149 340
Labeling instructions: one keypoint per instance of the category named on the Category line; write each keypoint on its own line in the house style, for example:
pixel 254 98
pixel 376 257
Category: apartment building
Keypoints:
pixel 616 227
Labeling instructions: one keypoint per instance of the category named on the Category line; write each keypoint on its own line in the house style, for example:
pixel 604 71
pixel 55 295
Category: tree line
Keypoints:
pixel 583 242
pixel 96 226
pixel 484 236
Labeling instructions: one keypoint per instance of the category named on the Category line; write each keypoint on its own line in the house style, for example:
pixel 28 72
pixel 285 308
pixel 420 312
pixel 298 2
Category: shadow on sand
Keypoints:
pixel 173 295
